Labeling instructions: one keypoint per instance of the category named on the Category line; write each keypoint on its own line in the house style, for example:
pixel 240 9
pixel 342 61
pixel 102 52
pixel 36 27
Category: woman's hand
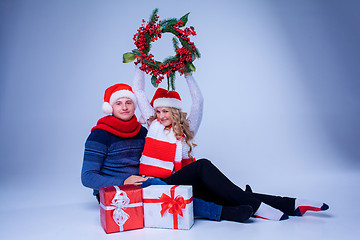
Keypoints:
pixel 187 73
pixel 136 180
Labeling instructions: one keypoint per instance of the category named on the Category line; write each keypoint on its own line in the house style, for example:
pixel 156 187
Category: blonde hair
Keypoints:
pixel 180 126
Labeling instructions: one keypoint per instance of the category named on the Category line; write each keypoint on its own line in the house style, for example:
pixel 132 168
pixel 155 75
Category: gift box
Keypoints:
pixel 168 206
pixel 121 208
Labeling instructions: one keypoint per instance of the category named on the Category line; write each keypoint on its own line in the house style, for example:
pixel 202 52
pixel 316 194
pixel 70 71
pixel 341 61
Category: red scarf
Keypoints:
pixel 118 127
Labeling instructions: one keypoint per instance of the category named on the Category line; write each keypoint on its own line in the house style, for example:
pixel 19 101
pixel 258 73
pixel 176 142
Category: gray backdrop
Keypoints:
pixel 280 81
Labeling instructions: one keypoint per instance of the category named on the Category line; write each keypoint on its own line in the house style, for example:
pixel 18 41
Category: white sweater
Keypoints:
pixel 196 111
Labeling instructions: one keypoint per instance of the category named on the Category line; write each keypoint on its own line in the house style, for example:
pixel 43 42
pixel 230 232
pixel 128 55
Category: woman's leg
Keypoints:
pixel 284 204
pixel 212 185
pixel 290 206
pixel 209 210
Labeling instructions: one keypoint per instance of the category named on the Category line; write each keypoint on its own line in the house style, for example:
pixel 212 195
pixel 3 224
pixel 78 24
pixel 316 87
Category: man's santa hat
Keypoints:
pixel 165 98
pixel 115 92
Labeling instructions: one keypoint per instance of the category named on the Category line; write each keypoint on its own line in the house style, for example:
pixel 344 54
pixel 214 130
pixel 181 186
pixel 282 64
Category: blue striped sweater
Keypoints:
pixel 109 159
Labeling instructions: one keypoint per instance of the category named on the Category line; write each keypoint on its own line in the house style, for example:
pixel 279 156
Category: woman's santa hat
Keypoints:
pixel 115 92
pixel 165 98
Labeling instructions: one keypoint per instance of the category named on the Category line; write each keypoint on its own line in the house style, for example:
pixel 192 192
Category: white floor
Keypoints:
pixel 35 210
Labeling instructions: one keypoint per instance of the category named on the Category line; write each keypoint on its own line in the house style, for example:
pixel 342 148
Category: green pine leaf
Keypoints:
pixel 153 81
pixel 191 67
pixel 128 57
pixel 197 53
pixel 176 58
pixel 168 83
pixel 184 19
pixel 172 81
pixel 136 52
pixel 167 60
pixel 186 44
pixel 154 13
pixel 148 40
pixel 173 31
pixel 168 22
pixel 147 62
pixel 175 43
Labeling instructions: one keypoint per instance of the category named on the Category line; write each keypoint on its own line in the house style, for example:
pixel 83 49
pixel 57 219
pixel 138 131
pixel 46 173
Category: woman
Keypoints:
pixel 167 123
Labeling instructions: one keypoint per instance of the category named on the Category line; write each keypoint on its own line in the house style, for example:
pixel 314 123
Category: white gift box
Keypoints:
pixel 168 206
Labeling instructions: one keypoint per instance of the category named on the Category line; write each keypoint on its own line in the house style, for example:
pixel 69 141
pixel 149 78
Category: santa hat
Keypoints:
pixel 115 92
pixel 165 98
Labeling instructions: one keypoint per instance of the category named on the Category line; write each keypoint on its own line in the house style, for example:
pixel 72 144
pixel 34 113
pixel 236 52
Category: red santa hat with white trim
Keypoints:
pixel 165 98
pixel 115 92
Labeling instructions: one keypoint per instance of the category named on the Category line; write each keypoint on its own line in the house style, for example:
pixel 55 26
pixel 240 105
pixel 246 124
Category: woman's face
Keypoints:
pixel 124 109
pixel 163 114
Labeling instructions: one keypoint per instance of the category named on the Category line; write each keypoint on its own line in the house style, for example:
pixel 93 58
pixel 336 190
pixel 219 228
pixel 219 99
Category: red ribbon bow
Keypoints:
pixel 174 205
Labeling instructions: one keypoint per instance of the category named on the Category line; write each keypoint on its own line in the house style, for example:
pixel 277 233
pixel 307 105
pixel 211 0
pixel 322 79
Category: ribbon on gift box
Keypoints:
pixel 118 203
pixel 174 205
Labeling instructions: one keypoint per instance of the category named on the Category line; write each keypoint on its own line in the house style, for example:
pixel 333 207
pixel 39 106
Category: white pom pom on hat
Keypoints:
pixel 107 108
pixel 115 92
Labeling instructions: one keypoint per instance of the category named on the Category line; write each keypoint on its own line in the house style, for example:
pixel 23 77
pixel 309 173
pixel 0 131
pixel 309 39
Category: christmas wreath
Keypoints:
pixel 150 32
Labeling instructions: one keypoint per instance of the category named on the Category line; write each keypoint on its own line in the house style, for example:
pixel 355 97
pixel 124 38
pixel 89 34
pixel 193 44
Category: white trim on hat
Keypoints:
pixel 167 102
pixel 122 93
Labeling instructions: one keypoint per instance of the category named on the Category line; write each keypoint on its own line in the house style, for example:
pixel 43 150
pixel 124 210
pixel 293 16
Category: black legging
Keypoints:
pixel 211 185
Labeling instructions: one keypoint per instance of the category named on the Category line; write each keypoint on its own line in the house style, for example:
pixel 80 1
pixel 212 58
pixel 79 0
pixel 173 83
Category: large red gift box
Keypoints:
pixel 121 208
